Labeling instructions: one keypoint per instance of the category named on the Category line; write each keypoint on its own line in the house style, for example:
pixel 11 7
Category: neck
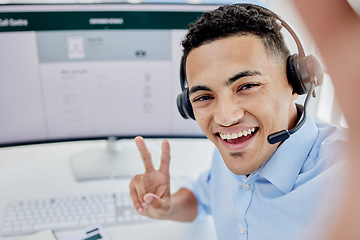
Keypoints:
pixel 295 115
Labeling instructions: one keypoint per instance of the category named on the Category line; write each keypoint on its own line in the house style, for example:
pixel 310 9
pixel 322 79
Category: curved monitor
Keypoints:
pixel 90 71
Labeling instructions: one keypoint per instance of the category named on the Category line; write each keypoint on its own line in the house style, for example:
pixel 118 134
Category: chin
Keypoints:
pixel 238 164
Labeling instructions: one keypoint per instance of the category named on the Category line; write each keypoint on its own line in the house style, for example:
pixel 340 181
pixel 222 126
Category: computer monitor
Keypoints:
pixel 92 71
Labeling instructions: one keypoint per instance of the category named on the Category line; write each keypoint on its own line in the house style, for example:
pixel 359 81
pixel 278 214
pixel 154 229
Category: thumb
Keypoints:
pixel 153 200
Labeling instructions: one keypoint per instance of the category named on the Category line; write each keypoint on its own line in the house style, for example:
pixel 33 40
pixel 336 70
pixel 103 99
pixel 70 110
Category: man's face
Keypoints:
pixel 240 95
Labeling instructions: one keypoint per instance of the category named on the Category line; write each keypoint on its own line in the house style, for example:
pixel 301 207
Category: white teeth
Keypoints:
pixel 237 135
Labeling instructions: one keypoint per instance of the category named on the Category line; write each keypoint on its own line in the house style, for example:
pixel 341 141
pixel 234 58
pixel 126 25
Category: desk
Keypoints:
pixel 43 171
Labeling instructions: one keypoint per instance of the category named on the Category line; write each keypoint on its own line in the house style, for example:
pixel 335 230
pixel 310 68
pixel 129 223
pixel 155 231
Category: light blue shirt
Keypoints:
pixel 277 201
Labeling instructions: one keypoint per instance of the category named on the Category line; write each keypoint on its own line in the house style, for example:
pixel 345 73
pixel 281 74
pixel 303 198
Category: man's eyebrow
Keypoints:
pixel 198 88
pixel 231 80
pixel 242 74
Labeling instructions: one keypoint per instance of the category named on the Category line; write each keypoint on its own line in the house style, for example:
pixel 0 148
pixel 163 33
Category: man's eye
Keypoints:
pixel 248 86
pixel 201 98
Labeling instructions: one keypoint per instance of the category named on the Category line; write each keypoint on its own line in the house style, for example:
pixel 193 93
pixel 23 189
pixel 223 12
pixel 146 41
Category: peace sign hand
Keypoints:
pixel 150 191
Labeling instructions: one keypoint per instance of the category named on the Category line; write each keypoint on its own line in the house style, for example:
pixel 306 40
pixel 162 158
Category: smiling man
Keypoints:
pixel 236 66
pixel 239 97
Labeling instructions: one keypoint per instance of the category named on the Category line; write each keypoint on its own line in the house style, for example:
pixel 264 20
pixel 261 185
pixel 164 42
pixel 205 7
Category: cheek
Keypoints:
pixel 203 119
pixel 279 113
pixel 200 113
pixel 270 110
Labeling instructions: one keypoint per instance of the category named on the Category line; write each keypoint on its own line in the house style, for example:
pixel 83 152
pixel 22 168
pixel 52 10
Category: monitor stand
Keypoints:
pixel 119 159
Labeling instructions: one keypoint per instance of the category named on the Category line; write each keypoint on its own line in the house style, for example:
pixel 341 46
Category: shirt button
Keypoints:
pixel 242 230
pixel 246 186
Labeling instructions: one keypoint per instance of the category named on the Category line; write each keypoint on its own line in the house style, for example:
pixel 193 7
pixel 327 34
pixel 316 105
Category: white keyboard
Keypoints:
pixel 65 213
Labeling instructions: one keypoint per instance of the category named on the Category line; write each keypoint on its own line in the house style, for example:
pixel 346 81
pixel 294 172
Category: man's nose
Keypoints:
pixel 228 112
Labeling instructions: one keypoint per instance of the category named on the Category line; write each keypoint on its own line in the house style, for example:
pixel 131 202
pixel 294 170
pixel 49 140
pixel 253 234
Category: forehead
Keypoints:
pixel 225 57
pixel 229 44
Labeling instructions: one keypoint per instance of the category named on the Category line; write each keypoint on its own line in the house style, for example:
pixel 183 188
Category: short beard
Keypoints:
pixel 237 154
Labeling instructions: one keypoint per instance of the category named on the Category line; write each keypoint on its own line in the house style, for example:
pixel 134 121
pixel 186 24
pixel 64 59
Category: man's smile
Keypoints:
pixel 228 136
pixel 238 137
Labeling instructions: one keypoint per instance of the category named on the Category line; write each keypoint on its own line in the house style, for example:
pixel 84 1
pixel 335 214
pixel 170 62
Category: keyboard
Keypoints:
pixel 66 213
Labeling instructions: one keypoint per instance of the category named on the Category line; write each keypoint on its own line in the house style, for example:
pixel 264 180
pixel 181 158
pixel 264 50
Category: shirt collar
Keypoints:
pixel 283 167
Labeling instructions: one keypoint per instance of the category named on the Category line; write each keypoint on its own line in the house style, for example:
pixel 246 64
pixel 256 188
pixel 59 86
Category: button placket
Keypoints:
pixel 245 196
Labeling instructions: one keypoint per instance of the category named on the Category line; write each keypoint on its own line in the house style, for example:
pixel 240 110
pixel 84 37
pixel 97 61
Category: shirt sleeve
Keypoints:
pixel 201 189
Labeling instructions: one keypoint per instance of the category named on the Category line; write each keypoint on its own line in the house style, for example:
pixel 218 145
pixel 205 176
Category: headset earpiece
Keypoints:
pixel 315 69
pixel 296 74
pixel 182 101
pixel 301 71
pixel 184 105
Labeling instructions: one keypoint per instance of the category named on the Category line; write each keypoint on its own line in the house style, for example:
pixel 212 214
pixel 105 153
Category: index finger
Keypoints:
pixel 145 154
pixel 165 157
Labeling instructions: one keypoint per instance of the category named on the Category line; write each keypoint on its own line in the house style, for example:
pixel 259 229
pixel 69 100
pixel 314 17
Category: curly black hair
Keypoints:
pixel 236 19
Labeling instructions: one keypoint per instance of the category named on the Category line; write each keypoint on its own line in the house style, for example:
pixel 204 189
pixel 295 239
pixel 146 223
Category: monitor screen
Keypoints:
pixel 89 71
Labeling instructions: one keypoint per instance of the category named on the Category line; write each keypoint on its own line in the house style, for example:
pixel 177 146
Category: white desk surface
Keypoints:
pixel 42 171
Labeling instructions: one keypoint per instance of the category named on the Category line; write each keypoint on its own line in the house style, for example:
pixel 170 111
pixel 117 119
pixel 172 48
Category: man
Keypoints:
pixel 235 63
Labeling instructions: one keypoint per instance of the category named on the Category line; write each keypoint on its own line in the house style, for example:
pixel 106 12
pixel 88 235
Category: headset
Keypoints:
pixel 304 73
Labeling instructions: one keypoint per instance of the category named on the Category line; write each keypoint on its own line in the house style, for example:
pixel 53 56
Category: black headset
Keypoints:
pixel 304 73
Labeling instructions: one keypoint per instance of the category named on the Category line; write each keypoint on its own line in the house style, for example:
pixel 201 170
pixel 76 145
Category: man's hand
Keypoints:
pixel 150 191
